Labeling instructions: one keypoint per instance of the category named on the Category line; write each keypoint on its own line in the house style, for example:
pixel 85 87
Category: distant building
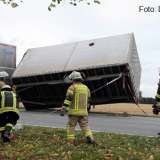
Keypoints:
pixel 7 58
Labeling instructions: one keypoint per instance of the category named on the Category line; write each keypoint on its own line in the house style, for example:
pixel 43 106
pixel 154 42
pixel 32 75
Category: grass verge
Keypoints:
pixel 38 143
pixel 124 114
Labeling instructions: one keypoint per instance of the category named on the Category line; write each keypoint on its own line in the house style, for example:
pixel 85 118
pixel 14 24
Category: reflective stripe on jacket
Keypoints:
pixel 77 99
pixel 8 102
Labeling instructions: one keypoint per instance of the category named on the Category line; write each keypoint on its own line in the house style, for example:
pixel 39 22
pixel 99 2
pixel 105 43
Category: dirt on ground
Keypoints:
pixel 124 108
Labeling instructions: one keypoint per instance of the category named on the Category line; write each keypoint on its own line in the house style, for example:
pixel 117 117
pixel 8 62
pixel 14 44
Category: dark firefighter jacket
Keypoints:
pixel 8 102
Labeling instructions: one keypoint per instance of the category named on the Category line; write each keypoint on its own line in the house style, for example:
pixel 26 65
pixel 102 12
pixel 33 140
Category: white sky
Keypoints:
pixel 32 25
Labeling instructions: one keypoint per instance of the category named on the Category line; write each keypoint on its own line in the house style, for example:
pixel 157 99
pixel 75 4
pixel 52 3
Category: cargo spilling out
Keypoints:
pixel 110 66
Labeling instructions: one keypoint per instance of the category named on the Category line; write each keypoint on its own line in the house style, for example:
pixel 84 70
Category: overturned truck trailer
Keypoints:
pixel 111 67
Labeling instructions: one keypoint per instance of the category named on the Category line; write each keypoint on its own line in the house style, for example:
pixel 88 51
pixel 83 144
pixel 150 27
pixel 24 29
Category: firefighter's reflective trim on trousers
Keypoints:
pixel 70 128
pixel 9 126
pixel 70 135
pixel 83 123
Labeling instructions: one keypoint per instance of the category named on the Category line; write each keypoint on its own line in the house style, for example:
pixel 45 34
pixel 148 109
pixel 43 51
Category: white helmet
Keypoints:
pixel 75 75
pixel 6 87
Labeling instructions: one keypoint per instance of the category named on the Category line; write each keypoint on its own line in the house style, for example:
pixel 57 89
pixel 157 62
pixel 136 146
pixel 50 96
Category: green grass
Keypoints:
pixel 37 143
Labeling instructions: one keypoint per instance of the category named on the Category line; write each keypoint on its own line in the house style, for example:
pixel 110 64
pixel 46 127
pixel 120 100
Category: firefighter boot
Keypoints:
pixel 90 140
pixel 5 136
pixel 6 133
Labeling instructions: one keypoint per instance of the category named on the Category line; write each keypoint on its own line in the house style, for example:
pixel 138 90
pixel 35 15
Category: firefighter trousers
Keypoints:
pixel 83 123
pixel 8 119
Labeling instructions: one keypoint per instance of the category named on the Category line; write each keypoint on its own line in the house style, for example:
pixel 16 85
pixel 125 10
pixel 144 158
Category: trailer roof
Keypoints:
pixel 92 53
pixel 8 45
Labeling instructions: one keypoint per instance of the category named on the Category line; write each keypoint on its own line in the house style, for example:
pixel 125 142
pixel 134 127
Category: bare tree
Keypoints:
pixel 53 4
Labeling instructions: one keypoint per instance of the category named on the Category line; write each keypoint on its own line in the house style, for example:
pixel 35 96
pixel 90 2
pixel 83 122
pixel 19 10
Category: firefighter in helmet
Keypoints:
pixel 8 112
pixel 156 105
pixel 77 103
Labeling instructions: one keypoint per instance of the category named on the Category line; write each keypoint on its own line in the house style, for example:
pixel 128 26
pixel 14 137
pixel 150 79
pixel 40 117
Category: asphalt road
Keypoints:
pixel 146 126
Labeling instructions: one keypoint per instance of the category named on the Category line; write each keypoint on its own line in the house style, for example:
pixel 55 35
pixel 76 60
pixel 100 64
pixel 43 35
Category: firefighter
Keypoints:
pixel 77 104
pixel 8 112
pixel 156 105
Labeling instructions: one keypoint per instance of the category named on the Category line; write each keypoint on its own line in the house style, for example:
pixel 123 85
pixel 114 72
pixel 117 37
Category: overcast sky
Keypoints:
pixel 32 25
